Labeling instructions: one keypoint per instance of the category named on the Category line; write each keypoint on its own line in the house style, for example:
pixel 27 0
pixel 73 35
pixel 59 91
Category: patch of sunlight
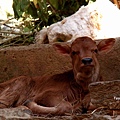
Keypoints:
pixel 6 8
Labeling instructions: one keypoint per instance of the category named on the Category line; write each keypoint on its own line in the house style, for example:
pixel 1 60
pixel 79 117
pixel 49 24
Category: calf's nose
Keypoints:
pixel 86 61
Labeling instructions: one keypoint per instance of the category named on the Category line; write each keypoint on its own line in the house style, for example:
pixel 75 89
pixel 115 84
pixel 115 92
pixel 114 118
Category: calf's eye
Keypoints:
pixel 75 52
pixel 96 50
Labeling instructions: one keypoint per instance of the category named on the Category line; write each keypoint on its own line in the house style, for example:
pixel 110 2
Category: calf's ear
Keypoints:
pixel 106 45
pixel 64 49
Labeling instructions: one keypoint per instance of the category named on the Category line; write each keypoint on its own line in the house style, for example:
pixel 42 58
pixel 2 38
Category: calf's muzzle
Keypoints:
pixel 87 61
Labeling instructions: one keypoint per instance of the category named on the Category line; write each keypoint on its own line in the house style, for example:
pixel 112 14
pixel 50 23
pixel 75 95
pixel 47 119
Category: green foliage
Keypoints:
pixel 40 13
pixel 36 14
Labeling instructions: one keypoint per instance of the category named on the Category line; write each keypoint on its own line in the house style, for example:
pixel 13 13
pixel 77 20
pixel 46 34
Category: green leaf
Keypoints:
pixel 26 29
pixel 54 3
pixel 32 10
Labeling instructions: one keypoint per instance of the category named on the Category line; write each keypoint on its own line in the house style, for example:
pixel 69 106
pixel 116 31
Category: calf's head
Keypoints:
pixel 83 52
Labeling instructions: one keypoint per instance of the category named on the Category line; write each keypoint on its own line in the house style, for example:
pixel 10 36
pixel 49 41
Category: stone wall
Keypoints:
pixel 33 60
pixel 42 59
pixel 110 63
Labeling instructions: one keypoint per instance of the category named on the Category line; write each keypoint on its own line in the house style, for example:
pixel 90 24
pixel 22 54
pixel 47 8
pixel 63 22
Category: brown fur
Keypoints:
pixel 61 93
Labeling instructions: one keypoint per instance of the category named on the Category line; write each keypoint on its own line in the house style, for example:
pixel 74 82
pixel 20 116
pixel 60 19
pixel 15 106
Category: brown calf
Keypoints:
pixel 61 93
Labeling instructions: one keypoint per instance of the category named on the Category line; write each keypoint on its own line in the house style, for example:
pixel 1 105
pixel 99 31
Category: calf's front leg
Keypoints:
pixel 60 109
